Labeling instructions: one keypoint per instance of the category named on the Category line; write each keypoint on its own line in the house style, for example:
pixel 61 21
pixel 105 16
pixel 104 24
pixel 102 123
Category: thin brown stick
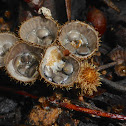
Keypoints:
pixel 20 92
pixel 68 9
pixel 107 66
pixel 89 111
pixel 112 5
pixel 114 85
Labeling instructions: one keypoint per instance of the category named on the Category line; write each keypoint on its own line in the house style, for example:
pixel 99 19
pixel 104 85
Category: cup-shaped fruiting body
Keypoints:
pixel 88 78
pixel 39 31
pixel 58 70
pixel 120 70
pixel 79 38
pixel 22 62
pixel 7 40
pixel 118 54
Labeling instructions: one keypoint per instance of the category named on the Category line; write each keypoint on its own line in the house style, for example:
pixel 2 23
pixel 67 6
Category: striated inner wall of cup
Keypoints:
pixel 6 42
pixel 58 69
pixel 23 61
pixel 79 38
pixel 39 30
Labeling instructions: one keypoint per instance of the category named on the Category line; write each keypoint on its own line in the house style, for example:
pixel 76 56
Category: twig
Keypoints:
pixel 122 81
pixel 68 9
pixel 114 85
pixel 24 93
pixel 89 111
pixel 69 106
pixel 112 5
pixel 107 66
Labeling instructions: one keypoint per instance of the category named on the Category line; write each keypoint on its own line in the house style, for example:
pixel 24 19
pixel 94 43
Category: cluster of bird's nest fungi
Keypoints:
pixel 61 55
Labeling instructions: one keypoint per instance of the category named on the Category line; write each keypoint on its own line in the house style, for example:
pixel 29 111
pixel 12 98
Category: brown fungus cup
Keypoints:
pixel 22 62
pixel 7 40
pixel 118 54
pixel 39 31
pixel 57 69
pixel 79 38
